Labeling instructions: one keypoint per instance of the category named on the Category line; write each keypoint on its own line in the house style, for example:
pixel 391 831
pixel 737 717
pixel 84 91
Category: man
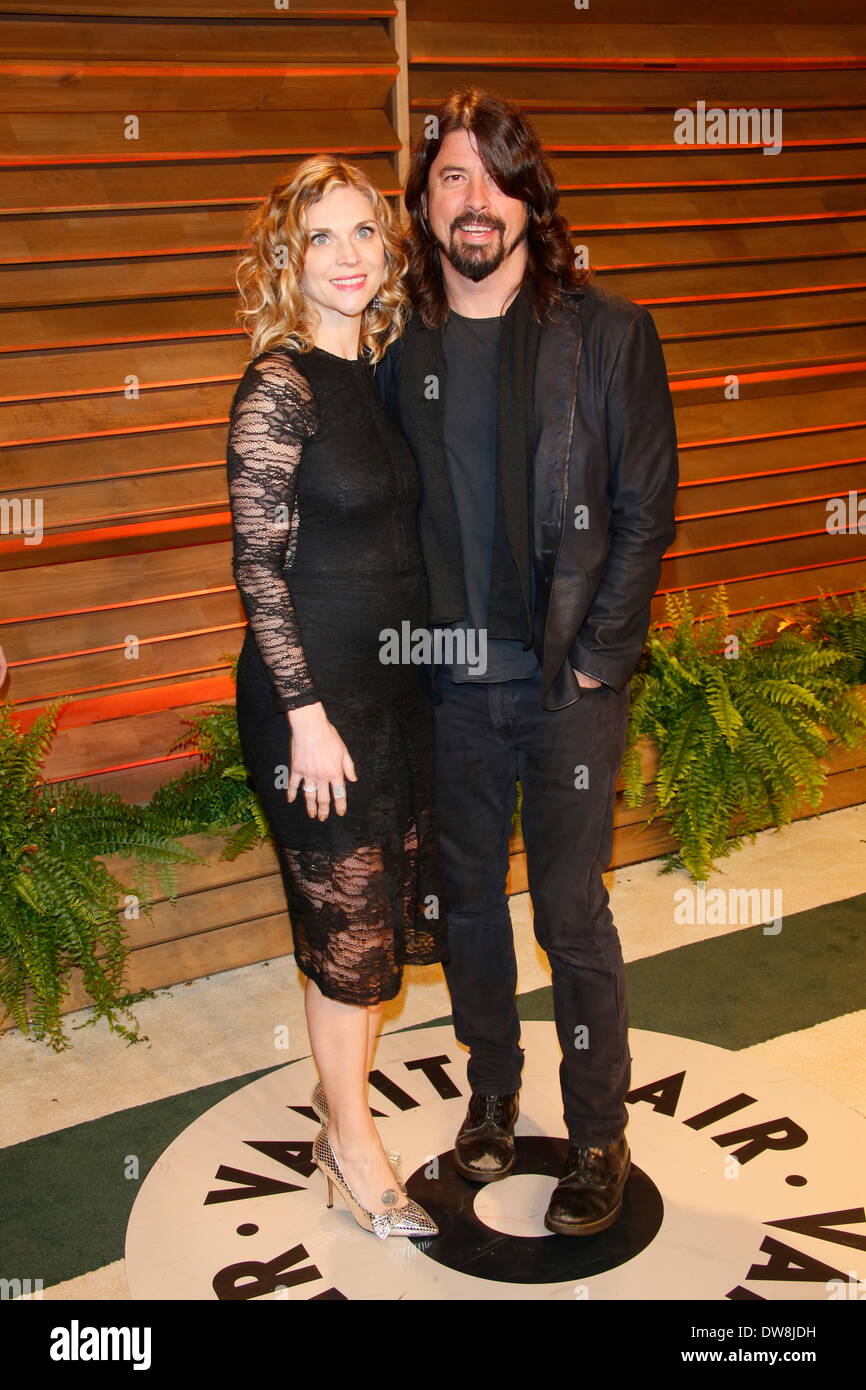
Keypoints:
pixel 540 416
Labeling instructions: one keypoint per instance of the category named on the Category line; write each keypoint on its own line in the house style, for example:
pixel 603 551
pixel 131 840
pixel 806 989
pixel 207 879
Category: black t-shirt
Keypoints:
pixel 471 348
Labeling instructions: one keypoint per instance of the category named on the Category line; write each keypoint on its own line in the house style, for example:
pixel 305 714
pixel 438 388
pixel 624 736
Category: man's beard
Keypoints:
pixel 466 260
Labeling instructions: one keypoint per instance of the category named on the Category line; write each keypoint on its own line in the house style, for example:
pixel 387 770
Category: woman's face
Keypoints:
pixel 345 259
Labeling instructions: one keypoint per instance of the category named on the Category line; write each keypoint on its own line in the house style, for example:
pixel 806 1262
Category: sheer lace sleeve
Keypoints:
pixel 273 412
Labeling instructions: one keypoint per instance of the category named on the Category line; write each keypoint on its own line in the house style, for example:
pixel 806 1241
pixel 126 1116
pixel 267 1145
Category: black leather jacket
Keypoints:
pixel 604 476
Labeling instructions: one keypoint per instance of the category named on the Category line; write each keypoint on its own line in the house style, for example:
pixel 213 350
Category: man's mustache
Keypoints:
pixel 477 222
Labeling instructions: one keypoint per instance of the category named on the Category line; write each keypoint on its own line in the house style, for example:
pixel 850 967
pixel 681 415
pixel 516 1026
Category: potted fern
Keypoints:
pixel 60 902
pixel 741 721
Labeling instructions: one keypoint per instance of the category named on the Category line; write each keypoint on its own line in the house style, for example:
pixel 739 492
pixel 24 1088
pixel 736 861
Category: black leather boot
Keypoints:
pixel 589 1195
pixel 484 1147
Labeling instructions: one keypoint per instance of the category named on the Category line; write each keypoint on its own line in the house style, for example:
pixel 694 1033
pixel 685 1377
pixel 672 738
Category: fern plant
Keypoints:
pixel 214 798
pixel 843 624
pixel 741 723
pixel 59 901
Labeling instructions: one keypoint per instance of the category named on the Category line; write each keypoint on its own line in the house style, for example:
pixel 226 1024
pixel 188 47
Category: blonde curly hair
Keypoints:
pixel 274 308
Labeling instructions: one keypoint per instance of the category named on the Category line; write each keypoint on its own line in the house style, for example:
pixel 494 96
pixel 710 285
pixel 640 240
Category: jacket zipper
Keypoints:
pixel 564 505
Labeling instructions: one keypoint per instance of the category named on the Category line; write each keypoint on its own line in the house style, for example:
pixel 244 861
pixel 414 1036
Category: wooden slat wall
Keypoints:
pixel 117 258
pixel 753 265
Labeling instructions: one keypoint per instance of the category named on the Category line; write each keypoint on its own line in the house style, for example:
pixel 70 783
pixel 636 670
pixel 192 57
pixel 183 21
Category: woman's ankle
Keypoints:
pixel 352 1143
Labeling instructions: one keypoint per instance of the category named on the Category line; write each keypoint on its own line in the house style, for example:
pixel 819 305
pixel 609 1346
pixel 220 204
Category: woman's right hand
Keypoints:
pixel 320 759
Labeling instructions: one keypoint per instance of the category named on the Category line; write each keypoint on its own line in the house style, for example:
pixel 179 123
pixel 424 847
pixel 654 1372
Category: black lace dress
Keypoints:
pixel 324 493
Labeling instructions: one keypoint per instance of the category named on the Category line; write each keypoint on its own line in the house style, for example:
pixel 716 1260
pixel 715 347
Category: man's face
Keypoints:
pixel 475 224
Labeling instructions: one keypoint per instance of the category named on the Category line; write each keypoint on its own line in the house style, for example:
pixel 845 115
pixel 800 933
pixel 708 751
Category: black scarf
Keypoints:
pixel 421 408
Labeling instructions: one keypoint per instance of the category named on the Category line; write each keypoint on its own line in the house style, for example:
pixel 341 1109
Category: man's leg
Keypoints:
pixel 476 776
pixel 568 764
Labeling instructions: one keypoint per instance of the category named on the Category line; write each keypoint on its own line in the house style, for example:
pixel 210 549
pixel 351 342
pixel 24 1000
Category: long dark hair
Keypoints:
pixel 511 152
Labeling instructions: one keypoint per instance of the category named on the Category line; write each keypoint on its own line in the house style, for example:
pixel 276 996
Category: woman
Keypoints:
pixel 338 742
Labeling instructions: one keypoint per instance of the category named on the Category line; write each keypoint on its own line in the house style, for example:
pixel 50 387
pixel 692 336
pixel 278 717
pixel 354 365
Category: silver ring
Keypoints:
pixel 339 792
pixel 310 786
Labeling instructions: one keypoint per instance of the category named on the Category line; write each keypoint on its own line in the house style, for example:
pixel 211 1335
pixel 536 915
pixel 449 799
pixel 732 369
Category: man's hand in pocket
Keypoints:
pixel 588 682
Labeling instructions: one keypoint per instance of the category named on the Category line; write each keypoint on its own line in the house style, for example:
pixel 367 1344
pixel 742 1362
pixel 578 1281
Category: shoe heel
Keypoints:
pixel 330 1187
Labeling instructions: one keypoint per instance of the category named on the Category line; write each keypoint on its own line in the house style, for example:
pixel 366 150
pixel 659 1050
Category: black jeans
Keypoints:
pixel 567 761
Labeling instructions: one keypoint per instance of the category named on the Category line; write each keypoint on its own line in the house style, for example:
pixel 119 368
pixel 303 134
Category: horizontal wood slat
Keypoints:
pixel 723 562
pixel 726 420
pixel 86 415
pixel 38 375
pixel 637 46
pixel 619 12
pixel 38 138
pixel 180 655
pixel 136 10
pixel 61 636
pixel 101 236
pixel 613 131
pixel 77 85
pixel 540 89
pixel 778 591
pixel 786 452
pixel 174 492
pixel 600 211
pixel 189 957
pixel 743 508
pixel 91 187
pixel 131 576
pixel 97 371
pixel 822 344
pixel 58 326
pixel 769 490
pixel 724 245
pixel 91 281
pixel 328 44
pixel 695 166
pixel 112 457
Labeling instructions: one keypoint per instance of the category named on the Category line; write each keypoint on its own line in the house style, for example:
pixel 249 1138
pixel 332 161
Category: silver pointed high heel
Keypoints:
pixel 411 1220
pixel 319 1102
